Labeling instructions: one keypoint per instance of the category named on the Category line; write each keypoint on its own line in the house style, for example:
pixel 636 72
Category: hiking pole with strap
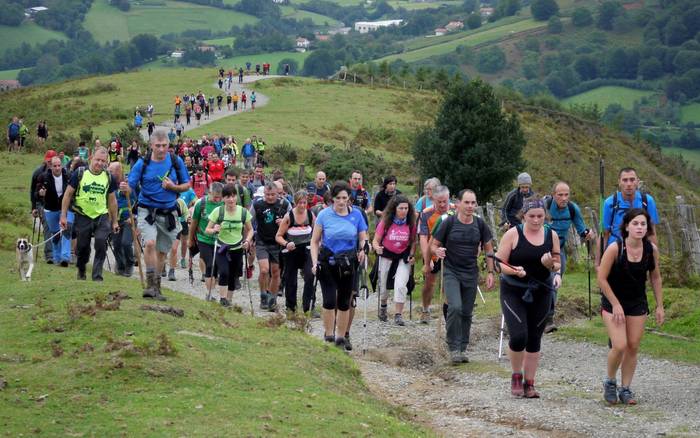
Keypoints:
pixel 213 265
pixel 137 242
pixel 588 267
pixel 109 245
pixel 480 294
pixel 247 283
pixel 365 296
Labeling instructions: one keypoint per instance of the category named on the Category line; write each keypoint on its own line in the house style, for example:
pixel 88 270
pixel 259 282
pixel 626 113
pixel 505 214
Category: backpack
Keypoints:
pixel 572 210
pixel 174 165
pixel 222 212
pixel 309 218
pixel 450 220
pixel 616 205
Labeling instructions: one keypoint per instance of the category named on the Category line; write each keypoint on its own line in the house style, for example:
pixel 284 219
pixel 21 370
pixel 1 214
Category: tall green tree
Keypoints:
pixel 543 9
pixel 472 143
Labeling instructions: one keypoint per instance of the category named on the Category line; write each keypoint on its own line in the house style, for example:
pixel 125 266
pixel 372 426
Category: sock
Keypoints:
pixel 150 270
pixel 609 380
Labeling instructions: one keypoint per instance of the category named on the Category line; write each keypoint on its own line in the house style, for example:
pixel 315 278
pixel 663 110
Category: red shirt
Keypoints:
pixel 200 184
pixel 216 170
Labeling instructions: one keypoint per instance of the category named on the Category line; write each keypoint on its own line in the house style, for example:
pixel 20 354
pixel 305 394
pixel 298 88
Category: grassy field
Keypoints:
pixel 107 23
pixel 9 74
pixel 28 32
pixel 273 58
pixel 607 95
pixel 412 5
pixel 226 41
pixel 690 113
pixel 422 41
pixel 487 35
pixel 317 19
pixel 692 155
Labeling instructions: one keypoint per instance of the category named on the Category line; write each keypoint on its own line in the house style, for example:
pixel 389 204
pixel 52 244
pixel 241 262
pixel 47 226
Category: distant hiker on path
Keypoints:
pixel 622 276
pixel 13 135
pixel 514 201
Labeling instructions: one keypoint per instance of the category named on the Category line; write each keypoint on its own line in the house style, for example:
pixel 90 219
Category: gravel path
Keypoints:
pixel 403 366
pixel 261 100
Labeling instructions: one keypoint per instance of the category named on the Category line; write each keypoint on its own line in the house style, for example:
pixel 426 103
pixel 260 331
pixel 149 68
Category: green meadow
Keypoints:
pixel 608 95
pixel 28 32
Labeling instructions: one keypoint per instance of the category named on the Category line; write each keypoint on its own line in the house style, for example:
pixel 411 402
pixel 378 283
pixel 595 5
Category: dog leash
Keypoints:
pixel 45 241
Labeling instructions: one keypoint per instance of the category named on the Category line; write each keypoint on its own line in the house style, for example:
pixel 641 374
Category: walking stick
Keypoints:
pixel 34 230
pixel 500 341
pixel 213 264
pixel 588 266
pixel 137 242
pixel 41 228
pixel 410 298
pixel 189 271
pixel 365 292
pixel 480 294
pixel 247 283
pixel 441 292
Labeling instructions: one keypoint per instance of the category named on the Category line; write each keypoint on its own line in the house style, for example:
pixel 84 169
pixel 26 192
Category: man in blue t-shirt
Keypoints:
pixel 159 179
pixel 13 135
pixel 617 204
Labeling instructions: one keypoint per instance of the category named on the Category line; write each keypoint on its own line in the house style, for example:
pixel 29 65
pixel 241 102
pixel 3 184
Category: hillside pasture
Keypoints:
pixel 690 155
pixel 317 19
pixel 9 74
pixel 690 113
pixel 107 23
pixel 28 32
pixel 608 95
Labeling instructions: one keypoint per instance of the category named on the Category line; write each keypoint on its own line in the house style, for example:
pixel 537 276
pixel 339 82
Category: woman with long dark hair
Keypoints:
pixel 381 200
pixel 395 244
pixel 338 246
pixel 622 276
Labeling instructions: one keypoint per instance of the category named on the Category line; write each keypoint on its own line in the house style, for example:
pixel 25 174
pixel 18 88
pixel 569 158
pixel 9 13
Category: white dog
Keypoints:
pixel 25 259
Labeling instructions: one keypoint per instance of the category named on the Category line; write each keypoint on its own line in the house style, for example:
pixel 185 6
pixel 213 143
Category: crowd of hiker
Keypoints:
pixel 213 202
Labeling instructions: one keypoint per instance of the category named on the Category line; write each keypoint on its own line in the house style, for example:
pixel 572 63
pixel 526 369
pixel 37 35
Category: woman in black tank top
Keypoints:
pixel 622 276
pixel 529 274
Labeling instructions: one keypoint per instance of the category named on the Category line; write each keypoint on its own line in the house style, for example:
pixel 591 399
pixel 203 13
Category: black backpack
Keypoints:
pixel 450 220
pixel 572 210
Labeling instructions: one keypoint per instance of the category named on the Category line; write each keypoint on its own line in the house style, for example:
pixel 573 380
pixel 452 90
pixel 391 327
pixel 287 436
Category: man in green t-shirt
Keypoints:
pixel 198 240
pixel 244 196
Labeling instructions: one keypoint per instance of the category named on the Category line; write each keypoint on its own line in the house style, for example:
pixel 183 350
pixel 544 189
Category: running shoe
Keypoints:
pixel 330 338
pixel 171 274
pixel 183 263
pixel 626 396
pixel 455 357
pixel 516 385
pixel 264 301
pixel 340 342
pixel 348 344
pixel 610 391
pixel 529 390
pixel 271 302
pixel 424 317
pixel 398 320
pixel 225 302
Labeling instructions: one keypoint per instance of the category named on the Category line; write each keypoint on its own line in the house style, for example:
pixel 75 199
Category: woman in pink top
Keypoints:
pixel 395 243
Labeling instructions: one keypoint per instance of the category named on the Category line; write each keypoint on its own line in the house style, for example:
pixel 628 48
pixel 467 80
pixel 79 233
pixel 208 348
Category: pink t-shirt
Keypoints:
pixel 398 238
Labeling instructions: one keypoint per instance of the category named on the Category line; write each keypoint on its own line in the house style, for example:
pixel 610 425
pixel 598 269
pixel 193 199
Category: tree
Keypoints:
pixel 491 60
pixel 147 46
pixel 554 25
pixel 675 31
pixel 469 6
pixel 472 143
pixel 543 9
pixel 12 14
pixel 587 67
pixel 320 64
pixel 581 17
pixel 607 11
pixel 293 66
pixel 474 21
pixel 650 69
pixel 507 8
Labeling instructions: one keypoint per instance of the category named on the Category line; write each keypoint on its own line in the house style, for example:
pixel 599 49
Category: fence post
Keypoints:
pixel 669 236
pixel 491 221
pixel 300 177
pixel 690 243
pixel 572 244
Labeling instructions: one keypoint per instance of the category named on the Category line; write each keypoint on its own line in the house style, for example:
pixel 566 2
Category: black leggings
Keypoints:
pixel 230 266
pixel 336 286
pixel 293 261
pixel 525 321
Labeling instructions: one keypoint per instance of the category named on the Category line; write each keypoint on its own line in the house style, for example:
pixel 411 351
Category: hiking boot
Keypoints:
pixel 516 385
pixel 626 396
pixel 224 302
pixel 81 275
pixel 465 359
pixel 383 314
pixel 340 342
pixel 159 296
pixel 271 302
pixel 183 263
pixel 263 301
pixel 549 325
pixel 330 338
pixel 202 279
pixel 128 272
pixel 348 345
pixel 398 320
pixel 529 390
pixel 610 391
pixel 163 273
pixel 151 290
pixel 249 272
pixel 425 317
pixel 455 357
pixel 171 275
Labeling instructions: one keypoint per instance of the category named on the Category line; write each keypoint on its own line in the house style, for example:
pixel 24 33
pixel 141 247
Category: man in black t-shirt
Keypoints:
pixel 268 212
pixel 456 240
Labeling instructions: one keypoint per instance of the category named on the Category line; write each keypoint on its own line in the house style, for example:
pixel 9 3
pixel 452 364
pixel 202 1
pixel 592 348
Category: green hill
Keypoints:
pixel 28 32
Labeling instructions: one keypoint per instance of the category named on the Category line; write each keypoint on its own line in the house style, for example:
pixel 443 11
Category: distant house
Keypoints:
pixel 9 84
pixel 633 6
pixel 340 30
pixel 440 31
pixel 320 37
pixel 205 48
pixel 177 54
pixel 486 12
pixel 302 43
pixel 31 12
pixel 454 25
pixel 369 26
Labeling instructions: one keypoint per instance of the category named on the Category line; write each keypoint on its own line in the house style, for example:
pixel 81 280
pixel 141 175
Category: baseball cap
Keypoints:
pixel 50 154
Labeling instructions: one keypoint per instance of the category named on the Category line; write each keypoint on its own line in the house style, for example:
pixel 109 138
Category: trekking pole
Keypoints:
pixel 137 242
pixel 34 230
pixel 247 283
pixel 213 264
pixel 441 291
pixel 39 230
pixel 500 341
pixel 588 266
pixel 365 292
pixel 480 294
pixel 190 272
pixel 109 245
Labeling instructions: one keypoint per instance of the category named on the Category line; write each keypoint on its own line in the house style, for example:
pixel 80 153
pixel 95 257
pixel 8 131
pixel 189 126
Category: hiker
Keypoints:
pixel 138 120
pixel 529 258
pixel 231 225
pixel 23 133
pixel 149 111
pixel 198 113
pixel 188 114
pixel 248 152
pixel 150 126
pixel 514 202
pixel 133 155
pixel 286 69
pixel 42 132
pixel 113 153
pixel 622 277
pixel 628 196
pixel 426 200
pixel 159 178
pixel 384 195
pixel 253 99
pixel 426 225
pixel 95 207
pixel 51 187
pixel 123 241
pixel 260 149
pixel 219 99
pixel 319 186
pixel 268 213
pixel 240 75
pixel 198 241
pixel 564 213
pixel 456 241
pixel 360 197
pixel 37 203
pixel 294 236
pixel 244 198
pixel 13 135
pixel 184 202
pixel 215 167
pixel 228 101
pixel 258 179
pixel 244 100
pixel 395 245
pixel 342 231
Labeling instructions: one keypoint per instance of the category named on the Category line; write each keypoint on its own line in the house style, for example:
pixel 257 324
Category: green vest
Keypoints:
pixel 91 194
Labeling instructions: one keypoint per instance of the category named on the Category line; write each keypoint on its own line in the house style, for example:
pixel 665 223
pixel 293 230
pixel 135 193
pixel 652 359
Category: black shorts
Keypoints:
pixel 14 138
pixel 185 230
pixel 636 307
pixel 206 254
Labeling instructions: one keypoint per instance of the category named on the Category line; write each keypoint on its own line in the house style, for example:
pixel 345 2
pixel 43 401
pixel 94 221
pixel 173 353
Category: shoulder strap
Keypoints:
pixel 202 208
pixel 221 214
pixel 81 172
pixel 614 210
pixel 645 200
pixel 292 222
pixel 572 211
pixel 547 202
pixel 448 222
pixel 481 224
